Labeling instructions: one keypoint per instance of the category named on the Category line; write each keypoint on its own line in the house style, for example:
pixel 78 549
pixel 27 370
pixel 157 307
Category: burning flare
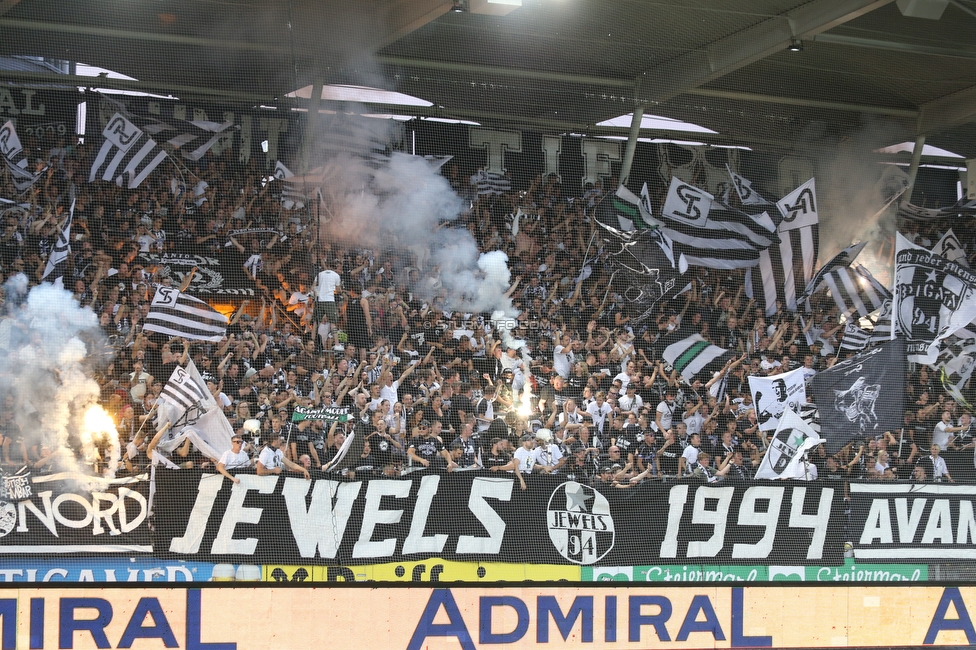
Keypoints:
pixel 100 441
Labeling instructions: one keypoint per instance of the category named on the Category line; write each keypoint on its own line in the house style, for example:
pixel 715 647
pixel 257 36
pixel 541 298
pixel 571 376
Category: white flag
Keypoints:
pixel 784 457
pixel 686 203
pixel 951 248
pixel 776 394
pixel 799 207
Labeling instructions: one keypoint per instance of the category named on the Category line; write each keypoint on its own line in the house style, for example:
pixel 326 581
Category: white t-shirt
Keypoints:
pixel 326 284
pixel 599 414
pixel 690 454
pixel 939 467
pixel 628 403
pixel 526 459
pixel 233 460
pixel 693 422
pixel 271 457
pixel 548 456
pixel 390 392
pixel 667 414
pixel 561 360
pixel 940 436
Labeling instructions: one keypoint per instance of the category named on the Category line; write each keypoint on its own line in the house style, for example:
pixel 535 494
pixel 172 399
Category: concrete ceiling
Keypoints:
pixel 559 65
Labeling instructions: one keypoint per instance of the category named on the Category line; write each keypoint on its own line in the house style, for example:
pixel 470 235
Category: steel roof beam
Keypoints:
pixel 719 58
pixel 947 112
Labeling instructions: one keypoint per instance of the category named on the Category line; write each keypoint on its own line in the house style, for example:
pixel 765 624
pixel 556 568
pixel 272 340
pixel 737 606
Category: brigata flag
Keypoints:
pixel 774 395
pixel 692 355
pixel 862 396
pixel 933 298
pixel 784 456
pixel 326 413
pixel 179 314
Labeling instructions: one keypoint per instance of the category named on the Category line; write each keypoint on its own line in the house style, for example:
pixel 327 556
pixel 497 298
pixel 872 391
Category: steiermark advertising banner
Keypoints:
pixel 851 572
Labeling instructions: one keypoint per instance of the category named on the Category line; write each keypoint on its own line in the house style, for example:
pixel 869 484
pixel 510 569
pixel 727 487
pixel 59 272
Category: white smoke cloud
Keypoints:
pixel 47 369
pixel 408 204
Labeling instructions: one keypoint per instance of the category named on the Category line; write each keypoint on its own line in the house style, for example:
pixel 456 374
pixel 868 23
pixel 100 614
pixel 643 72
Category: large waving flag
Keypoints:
pixel 855 291
pixel 178 314
pixel 645 268
pixel 784 269
pixel 863 396
pixel 710 233
pixel 841 259
pixel 127 156
pixel 933 298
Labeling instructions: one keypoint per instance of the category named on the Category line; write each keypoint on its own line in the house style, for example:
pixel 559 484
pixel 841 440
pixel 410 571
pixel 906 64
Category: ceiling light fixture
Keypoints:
pixel 796 45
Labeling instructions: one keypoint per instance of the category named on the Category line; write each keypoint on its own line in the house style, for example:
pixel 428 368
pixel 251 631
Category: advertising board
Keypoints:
pixel 416 618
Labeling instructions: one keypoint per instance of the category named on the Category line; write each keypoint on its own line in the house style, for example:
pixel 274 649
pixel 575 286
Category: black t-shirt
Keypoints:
pixel 668 459
pixel 492 460
pixel 380 449
pixel 427 447
pixel 469 451
pixel 626 439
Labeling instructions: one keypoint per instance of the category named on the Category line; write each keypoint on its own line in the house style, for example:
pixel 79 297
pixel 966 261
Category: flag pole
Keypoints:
pixel 148 417
pixel 188 279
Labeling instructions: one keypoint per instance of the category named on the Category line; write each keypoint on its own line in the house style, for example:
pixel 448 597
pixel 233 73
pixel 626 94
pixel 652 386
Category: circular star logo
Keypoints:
pixel 580 524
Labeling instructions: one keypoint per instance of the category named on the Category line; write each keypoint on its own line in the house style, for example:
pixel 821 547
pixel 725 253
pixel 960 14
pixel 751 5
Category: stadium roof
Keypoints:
pixel 558 65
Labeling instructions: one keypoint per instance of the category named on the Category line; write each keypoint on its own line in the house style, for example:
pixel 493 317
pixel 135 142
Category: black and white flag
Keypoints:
pixel 184 390
pixel 855 291
pixel 784 458
pixel 686 204
pixel 694 354
pixel 861 396
pixel 193 138
pixel 773 395
pixel 799 207
pixel 855 339
pixel 951 248
pixel 710 233
pixel 747 195
pixel 956 363
pixel 179 314
pixel 292 196
pixel 841 259
pixel 489 184
pixel 882 323
pixel 784 268
pixel 127 156
pixel 963 208
pixel 933 298
pixel 15 158
pixel 645 269
pixel 57 261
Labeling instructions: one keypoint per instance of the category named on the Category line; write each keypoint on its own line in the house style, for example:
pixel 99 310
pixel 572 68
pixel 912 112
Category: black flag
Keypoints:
pixel 645 267
pixel 862 396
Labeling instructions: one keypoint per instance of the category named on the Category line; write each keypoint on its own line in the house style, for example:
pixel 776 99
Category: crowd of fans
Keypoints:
pixel 372 331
